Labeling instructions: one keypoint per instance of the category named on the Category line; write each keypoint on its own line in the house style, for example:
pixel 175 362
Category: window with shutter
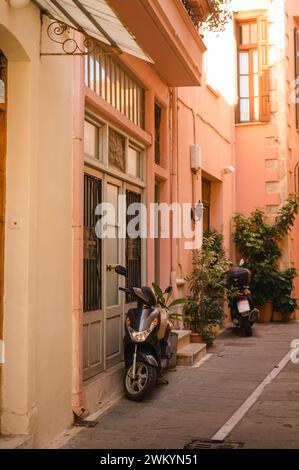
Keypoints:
pixel 297 73
pixel 264 69
pixel 253 71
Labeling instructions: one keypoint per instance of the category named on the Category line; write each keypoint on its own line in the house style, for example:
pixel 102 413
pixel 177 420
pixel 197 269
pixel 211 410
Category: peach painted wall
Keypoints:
pixel 205 118
pixel 252 174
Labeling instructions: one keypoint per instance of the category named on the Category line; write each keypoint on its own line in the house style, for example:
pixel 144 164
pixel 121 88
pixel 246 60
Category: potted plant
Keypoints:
pixel 284 304
pixel 260 244
pixel 219 16
pixel 207 282
pixel 209 15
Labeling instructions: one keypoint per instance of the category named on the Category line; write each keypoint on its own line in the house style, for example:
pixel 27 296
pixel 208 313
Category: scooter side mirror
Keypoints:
pixel 121 270
pixel 168 290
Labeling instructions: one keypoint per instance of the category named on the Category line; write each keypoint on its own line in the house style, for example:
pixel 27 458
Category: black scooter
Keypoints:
pixel 149 345
pixel 243 313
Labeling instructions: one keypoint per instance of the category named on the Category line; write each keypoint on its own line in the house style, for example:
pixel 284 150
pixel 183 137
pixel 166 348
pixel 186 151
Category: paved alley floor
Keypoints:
pixel 199 400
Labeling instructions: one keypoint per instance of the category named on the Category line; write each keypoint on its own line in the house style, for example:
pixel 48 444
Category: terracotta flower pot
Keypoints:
pixel 266 312
pixel 281 317
pixel 277 317
pixel 195 338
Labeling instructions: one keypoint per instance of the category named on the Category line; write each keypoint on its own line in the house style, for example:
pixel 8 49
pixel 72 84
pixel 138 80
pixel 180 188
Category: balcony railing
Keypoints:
pixel 198 10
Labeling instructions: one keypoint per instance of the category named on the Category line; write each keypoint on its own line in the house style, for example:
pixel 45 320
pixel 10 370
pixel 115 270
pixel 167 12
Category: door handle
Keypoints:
pixel 111 267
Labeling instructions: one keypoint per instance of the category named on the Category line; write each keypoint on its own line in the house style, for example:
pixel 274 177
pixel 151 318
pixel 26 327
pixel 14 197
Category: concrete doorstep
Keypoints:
pixel 188 354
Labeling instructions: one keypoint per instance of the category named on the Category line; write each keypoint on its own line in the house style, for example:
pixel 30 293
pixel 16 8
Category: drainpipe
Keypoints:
pixel 78 193
pixel 174 183
pixel 194 173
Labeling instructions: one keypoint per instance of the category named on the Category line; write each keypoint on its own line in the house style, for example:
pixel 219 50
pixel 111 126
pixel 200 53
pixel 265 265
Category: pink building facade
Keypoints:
pixel 235 109
pixel 267 137
pixel 210 120
pixel 136 124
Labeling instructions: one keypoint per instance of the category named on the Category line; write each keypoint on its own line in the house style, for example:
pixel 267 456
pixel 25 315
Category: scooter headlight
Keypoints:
pixel 141 336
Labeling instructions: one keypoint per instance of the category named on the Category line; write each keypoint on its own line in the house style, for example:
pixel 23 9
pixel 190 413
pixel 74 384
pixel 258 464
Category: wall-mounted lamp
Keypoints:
pixel 19 3
pixel 229 170
pixel 197 212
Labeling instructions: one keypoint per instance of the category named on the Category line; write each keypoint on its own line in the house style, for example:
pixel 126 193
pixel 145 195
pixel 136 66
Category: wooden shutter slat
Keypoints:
pixel 263 50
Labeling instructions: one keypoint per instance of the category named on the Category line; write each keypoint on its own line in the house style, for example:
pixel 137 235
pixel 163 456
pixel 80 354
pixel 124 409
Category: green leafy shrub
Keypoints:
pixel 260 244
pixel 207 284
pixel 219 17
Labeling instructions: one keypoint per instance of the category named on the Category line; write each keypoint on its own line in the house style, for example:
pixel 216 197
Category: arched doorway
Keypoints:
pixel 3 121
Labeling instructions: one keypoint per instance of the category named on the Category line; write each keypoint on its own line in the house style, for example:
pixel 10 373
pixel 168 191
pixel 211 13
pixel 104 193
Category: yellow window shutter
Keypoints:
pixel 263 49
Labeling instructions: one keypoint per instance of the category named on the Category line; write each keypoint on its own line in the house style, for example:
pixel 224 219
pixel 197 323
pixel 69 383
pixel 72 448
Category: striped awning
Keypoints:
pixel 93 18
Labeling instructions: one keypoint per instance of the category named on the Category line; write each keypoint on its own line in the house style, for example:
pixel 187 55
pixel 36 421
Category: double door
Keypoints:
pixel 104 305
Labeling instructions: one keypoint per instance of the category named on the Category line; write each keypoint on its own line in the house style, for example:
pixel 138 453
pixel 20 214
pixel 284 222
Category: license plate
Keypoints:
pixel 243 306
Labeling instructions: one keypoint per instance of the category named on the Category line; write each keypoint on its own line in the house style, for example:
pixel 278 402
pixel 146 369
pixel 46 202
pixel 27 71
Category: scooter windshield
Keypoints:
pixel 146 318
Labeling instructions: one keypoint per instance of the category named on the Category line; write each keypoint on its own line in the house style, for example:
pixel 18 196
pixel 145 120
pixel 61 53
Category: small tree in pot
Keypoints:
pixel 284 303
pixel 208 288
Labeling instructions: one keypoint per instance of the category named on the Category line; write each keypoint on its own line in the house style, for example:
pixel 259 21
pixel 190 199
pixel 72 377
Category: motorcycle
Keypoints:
pixel 149 345
pixel 243 313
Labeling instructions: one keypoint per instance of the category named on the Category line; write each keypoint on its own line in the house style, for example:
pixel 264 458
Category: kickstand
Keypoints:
pixel 162 382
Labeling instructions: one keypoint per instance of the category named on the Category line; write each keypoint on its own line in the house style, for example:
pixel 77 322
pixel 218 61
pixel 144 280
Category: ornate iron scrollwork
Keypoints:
pixel 60 33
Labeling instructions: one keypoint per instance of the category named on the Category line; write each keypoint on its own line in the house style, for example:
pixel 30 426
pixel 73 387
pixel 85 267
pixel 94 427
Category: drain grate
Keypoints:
pixel 209 444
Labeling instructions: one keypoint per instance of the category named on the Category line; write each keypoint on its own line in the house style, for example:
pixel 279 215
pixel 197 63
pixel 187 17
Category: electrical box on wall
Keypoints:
pixel 196 157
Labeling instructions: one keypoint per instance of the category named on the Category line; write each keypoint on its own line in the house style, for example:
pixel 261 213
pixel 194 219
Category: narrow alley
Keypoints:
pixel 199 400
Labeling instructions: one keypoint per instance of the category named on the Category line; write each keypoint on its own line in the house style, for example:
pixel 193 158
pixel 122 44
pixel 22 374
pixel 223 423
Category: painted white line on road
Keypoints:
pixel 251 400
pixel 202 360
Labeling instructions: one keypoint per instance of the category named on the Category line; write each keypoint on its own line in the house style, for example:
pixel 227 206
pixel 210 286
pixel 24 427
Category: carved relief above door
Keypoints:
pixel 117 150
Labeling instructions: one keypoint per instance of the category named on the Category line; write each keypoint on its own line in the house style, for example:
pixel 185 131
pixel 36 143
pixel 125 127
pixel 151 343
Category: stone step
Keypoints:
pixel 183 338
pixel 16 442
pixel 191 354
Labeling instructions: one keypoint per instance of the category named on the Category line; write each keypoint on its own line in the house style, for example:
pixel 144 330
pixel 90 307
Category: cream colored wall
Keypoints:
pixel 38 256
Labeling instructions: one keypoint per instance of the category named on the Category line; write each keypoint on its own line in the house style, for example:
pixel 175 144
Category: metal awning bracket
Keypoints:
pixel 101 28
pixel 61 33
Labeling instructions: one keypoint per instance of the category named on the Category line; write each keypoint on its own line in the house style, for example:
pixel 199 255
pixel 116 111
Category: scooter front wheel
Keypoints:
pixel 144 382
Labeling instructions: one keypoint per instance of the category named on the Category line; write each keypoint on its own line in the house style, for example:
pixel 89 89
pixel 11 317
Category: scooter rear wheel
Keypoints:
pixel 143 384
pixel 247 327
